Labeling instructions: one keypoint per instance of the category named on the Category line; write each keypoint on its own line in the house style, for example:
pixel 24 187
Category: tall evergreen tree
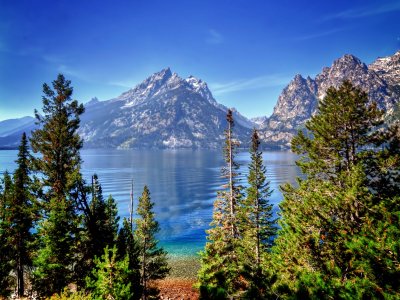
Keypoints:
pixel 258 225
pixel 6 194
pixel 128 248
pixel 220 265
pixel 100 229
pixel 339 131
pixel 21 215
pixel 58 143
pixel 153 259
pixel 336 230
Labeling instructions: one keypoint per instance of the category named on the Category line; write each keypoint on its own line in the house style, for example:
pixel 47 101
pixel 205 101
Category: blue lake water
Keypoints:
pixel 183 185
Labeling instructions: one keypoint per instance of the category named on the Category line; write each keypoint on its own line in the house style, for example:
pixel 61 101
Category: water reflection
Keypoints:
pixel 183 185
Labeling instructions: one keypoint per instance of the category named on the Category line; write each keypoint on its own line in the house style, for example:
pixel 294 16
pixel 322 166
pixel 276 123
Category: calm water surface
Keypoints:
pixel 183 185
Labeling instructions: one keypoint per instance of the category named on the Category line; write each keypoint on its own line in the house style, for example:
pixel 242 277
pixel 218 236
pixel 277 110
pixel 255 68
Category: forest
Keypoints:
pixel 336 235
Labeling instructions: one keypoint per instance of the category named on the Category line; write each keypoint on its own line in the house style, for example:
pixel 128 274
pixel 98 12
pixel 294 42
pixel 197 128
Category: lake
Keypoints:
pixel 183 185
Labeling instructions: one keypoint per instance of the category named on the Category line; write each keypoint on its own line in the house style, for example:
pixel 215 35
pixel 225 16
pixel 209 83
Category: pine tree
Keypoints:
pixel 220 262
pixel 128 248
pixel 258 225
pixel 110 277
pixel 58 143
pixel 104 219
pixel 57 139
pixel 153 259
pixel 337 133
pixel 6 194
pixel 100 229
pixel 21 216
pixel 336 230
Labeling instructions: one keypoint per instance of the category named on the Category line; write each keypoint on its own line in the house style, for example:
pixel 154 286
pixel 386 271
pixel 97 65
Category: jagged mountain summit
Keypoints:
pixel 164 111
pixel 299 100
pixel 388 68
pixel 167 111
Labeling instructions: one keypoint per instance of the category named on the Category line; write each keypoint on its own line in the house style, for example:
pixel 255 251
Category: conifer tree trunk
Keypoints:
pixel 21 212
pixel 231 202
pixel 59 144
pixel 258 223
pixel 338 223
pixel 153 260
pixel 20 272
pixel 220 274
pixel 144 281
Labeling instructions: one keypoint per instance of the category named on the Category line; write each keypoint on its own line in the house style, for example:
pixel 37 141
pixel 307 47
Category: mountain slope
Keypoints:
pixel 164 111
pixel 167 111
pixel 11 126
pixel 11 131
pixel 388 68
pixel 299 100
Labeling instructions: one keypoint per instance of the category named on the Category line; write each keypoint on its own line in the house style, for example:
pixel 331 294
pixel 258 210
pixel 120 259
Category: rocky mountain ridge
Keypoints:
pixel 299 100
pixel 167 111
pixel 164 111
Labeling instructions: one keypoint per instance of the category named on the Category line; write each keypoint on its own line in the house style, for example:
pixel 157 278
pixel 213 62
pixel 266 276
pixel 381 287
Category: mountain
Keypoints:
pixel 167 111
pixel 164 111
pixel 11 131
pixel 259 121
pixel 299 100
pixel 388 68
pixel 11 126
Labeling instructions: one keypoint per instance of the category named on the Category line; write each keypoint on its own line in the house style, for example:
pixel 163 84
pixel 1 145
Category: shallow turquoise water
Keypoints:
pixel 183 185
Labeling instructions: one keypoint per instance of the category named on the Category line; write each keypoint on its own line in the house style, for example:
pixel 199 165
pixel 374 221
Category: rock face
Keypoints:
pixel 388 68
pixel 167 111
pixel 299 100
pixel 164 111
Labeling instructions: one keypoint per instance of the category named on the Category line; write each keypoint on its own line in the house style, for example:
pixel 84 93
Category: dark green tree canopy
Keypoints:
pixel 57 139
pixel 152 259
pixel 345 125
pixel 58 143
pixel 339 225
pixel 22 215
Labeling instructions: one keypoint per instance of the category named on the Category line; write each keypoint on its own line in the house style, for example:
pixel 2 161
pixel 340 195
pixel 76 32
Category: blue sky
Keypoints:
pixel 247 51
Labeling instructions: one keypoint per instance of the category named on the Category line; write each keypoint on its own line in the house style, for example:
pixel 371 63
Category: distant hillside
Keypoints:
pixel 11 131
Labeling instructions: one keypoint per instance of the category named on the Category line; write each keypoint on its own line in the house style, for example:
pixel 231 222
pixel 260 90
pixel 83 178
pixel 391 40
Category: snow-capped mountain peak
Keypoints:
pixel 164 110
pixel 388 68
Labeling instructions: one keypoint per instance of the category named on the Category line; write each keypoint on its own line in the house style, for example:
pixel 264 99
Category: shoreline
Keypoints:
pixel 183 267
pixel 181 279
pixel 177 288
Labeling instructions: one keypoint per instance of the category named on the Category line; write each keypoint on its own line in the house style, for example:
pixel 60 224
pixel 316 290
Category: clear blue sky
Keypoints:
pixel 247 51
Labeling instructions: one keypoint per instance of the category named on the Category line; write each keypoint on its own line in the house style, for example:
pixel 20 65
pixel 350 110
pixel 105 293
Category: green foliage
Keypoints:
pixel 55 257
pixel 339 226
pixel 68 295
pixel 342 127
pixel 110 277
pixel 220 262
pixel 394 117
pixel 127 247
pixel 153 260
pixel 59 164
pixel 100 229
pixel 21 212
pixel 6 195
pixel 57 139
pixel 258 226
